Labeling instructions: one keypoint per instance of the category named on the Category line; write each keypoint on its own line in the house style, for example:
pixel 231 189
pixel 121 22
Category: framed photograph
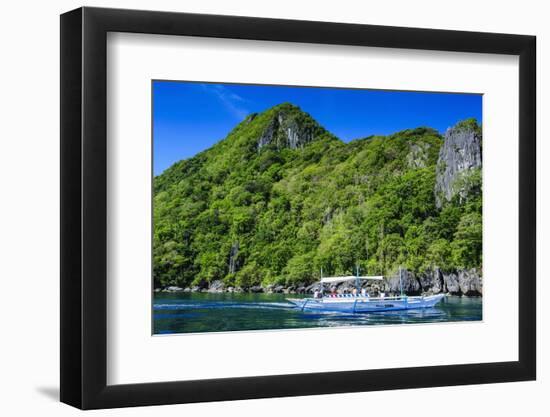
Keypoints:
pixel 257 208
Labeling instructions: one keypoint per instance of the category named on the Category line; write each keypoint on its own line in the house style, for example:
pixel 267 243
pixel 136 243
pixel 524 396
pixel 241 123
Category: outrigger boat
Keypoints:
pixel 361 302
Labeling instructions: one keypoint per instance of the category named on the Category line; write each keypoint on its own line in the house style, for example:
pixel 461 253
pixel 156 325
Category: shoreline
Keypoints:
pixel 187 290
pixel 463 282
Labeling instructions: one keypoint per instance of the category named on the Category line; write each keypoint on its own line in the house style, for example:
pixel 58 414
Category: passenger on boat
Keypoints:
pixel 354 292
pixel 364 292
pixel 316 293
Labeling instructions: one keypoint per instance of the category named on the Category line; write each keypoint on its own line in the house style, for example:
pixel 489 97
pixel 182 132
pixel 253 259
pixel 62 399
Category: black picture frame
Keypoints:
pixel 84 207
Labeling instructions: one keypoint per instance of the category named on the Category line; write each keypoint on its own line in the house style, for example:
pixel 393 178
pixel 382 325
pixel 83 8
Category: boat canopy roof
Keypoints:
pixel 326 280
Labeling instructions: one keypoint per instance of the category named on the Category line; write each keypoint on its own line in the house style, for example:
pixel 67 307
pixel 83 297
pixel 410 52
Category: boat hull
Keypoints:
pixel 364 304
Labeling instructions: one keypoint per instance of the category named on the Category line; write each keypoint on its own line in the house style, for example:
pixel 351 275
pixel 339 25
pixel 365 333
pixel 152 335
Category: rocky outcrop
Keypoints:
pixel 268 134
pixel 436 283
pixel 275 289
pixel 470 282
pixel 250 118
pixel 216 286
pixel 234 251
pixel 411 285
pixel 459 155
pixel 451 283
pixel 285 131
pixel 417 156
pixel 173 288
pixel 432 281
pixel 311 288
pixel 463 282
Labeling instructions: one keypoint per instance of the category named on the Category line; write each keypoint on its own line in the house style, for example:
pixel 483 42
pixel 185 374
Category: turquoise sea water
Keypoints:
pixel 204 312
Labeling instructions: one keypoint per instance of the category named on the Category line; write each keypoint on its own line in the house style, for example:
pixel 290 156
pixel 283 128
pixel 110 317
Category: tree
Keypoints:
pixel 467 245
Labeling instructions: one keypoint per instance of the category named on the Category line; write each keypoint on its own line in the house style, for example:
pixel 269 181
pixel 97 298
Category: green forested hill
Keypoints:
pixel 280 198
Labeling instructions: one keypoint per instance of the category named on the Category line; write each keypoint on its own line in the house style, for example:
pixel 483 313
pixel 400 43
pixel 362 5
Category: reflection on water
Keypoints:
pixel 203 312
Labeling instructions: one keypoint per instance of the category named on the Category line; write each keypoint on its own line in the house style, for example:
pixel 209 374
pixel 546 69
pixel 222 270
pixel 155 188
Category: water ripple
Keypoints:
pixel 204 312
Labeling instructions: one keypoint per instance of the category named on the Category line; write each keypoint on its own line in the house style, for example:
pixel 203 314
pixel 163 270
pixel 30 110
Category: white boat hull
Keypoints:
pixel 365 304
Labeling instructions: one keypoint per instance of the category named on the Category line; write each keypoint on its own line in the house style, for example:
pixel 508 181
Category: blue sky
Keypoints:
pixel 189 117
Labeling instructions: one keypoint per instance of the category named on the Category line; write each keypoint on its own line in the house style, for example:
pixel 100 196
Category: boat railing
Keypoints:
pixel 363 297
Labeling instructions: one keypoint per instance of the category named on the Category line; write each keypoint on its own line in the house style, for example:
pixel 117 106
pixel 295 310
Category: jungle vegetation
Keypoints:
pixel 273 214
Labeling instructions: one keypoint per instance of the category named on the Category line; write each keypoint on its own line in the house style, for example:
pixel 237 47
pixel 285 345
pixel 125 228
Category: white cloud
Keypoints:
pixel 232 102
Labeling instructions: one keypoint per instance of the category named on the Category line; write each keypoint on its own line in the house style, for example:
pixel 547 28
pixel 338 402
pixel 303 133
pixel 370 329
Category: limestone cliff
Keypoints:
pixel 459 157
pixel 289 128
